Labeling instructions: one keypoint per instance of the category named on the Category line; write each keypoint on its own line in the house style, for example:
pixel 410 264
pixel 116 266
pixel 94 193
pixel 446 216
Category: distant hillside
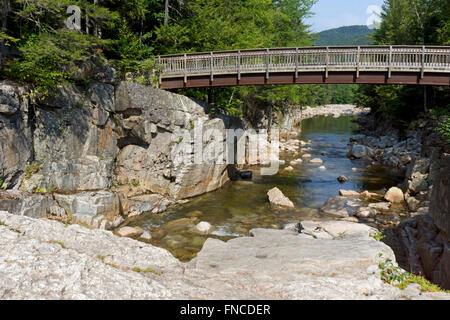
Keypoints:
pixel 351 35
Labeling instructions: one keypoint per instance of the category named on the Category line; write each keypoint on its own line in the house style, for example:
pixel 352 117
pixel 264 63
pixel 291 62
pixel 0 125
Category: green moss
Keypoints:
pixel 425 285
pixel 32 168
pixel 148 270
pixel 3 224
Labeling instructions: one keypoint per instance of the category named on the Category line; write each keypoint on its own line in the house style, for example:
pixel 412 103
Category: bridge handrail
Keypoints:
pixel 408 58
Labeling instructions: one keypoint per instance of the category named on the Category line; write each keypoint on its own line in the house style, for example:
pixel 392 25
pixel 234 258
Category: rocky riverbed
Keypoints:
pixel 422 241
pixel 43 259
pixel 335 110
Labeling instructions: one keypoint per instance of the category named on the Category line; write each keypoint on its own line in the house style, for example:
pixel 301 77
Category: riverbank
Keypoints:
pixel 421 242
pixel 72 262
pixel 335 110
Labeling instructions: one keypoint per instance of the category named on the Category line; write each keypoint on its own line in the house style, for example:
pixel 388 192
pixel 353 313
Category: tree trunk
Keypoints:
pixel 166 12
pixel 97 30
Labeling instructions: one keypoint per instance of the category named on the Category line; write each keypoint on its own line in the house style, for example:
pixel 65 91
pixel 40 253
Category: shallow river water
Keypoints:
pixel 243 205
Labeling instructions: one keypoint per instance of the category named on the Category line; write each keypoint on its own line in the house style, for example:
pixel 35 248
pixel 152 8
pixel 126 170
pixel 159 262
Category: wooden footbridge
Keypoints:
pixel 425 65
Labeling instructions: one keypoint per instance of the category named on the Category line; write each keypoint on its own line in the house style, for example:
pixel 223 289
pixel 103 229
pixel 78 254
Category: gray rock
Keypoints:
pixel 381 206
pixel 343 179
pixel 58 262
pixel 96 209
pixel 15 136
pixel 358 151
pixel 101 96
pixel 150 123
pixel 25 204
pixel 129 232
pixel 413 203
pixel 336 206
pixel 366 212
pixel 204 227
pixel 276 197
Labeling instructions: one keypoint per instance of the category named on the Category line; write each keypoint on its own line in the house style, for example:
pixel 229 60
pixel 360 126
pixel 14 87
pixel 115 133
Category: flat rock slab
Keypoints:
pixel 42 259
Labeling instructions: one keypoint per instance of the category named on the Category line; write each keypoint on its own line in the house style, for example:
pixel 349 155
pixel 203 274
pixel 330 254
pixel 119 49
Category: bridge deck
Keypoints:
pixel 368 64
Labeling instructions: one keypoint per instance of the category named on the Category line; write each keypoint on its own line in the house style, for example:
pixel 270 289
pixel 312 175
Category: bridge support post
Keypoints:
pixel 212 67
pixel 327 60
pixel 390 62
pixel 296 63
pixel 267 64
pixel 422 72
pixel 358 62
pixel 185 68
pixel 239 65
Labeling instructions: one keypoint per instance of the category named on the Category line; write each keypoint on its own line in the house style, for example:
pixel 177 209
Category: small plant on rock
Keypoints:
pixel 32 168
pixel 378 235
pixel 390 273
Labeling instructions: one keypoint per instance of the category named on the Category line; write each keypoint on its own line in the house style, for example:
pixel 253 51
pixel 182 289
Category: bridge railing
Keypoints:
pixel 370 58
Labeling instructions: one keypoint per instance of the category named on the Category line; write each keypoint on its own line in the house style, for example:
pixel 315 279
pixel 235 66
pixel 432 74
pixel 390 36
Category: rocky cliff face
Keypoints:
pixel 425 159
pixel 83 154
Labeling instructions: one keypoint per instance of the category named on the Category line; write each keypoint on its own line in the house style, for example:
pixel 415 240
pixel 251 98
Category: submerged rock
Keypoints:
pixel 204 227
pixel 277 197
pixel 177 225
pixel 336 206
pixel 358 151
pixel 316 161
pixel 129 232
pixel 343 179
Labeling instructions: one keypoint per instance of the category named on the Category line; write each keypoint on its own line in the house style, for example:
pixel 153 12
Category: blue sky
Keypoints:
pixel 337 13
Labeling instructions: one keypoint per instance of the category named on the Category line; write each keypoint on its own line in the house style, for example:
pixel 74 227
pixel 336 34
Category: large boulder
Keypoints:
pixel 276 197
pixel 155 128
pixel 394 195
pixel 95 209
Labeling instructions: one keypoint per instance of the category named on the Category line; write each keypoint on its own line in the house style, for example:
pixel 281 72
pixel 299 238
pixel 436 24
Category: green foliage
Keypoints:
pixel 378 235
pixel 406 22
pixel 444 129
pixel 394 275
pixel 350 36
pixel 1 184
pixel 242 24
pixel 6 39
pixel 425 285
pixel 49 58
pixel 389 272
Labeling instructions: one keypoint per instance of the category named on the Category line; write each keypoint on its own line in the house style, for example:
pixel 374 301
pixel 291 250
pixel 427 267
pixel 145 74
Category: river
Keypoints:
pixel 243 205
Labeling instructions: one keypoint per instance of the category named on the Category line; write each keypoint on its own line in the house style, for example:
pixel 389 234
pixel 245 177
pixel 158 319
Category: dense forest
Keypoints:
pixel 42 51
pixel 349 36
pixel 406 22
pixel 129 34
